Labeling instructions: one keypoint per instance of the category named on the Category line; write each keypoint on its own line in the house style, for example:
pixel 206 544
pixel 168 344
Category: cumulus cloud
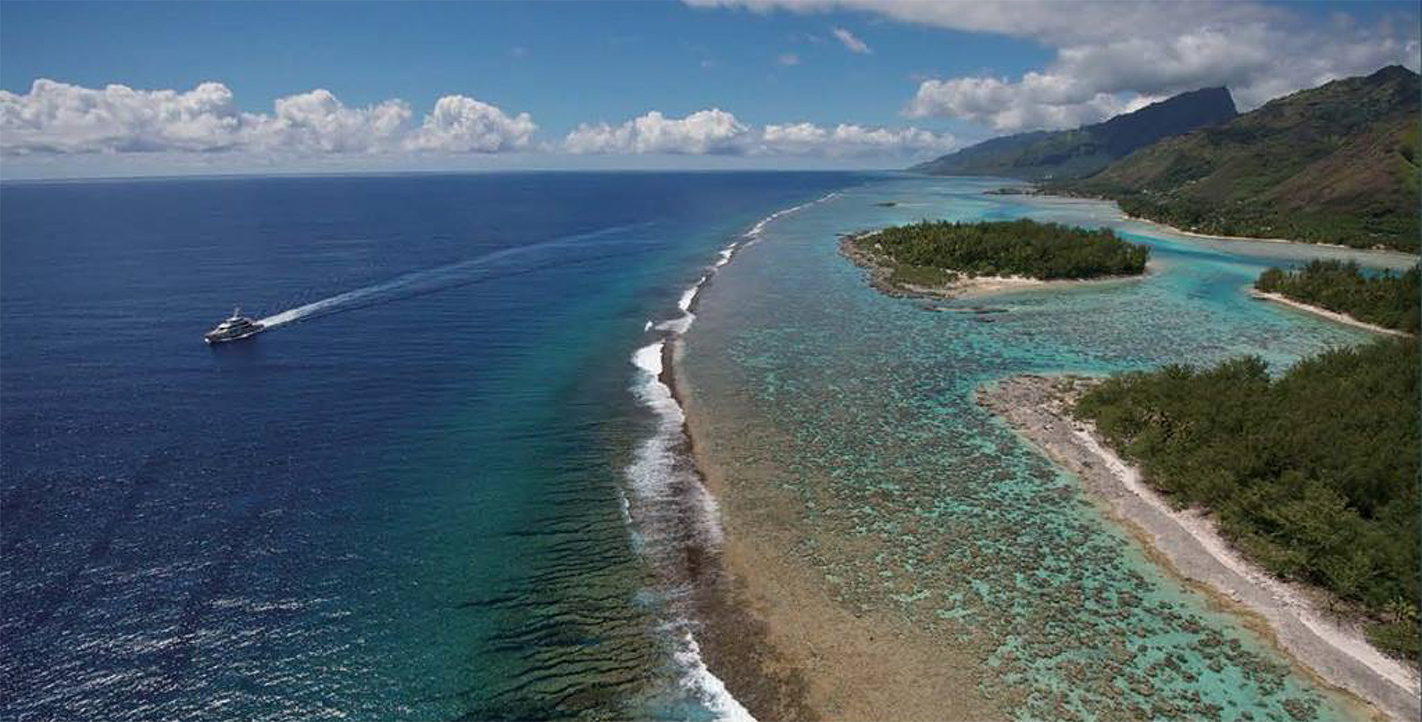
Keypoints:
pixel 788 59
pixel 317 122
pixel 702 132
pixel 718 132
pixel 61 118
pixel 850 140
pixel 852 43
pixel 58 117
pixel 1117 55
pixel 1037 101
pixel 460 124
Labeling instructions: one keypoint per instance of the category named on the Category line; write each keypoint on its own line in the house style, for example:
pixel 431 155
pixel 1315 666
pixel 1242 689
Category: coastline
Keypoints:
pixel 669 509
pixel 1334 651
pixel 1258 239
pixel 964 286
pixel 771 641
pixel 1209 237
pixel 734 642
pixel 1323 312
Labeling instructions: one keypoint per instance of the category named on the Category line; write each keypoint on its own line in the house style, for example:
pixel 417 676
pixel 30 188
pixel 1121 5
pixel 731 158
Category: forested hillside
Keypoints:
pixel 1082 151
pixel 1336 164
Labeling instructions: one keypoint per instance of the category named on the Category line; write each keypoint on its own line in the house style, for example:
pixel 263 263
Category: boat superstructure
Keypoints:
pixel 235 328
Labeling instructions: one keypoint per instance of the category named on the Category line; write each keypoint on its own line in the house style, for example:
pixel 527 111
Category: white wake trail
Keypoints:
pixel 432 279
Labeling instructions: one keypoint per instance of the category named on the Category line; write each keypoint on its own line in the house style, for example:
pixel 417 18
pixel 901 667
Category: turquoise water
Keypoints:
pixel 915 501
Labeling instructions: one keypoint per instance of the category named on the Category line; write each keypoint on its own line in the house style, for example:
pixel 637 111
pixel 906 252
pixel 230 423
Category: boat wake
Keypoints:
pixel 673 516
pixel 498 264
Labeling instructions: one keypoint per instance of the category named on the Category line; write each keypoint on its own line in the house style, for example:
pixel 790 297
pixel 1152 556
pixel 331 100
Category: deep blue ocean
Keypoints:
pixel 406 501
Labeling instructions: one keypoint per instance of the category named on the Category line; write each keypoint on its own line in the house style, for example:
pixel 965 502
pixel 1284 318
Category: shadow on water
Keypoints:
pixel 243 354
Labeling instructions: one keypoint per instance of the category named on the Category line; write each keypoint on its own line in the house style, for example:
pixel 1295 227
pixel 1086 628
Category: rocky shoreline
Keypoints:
pixel 1331 649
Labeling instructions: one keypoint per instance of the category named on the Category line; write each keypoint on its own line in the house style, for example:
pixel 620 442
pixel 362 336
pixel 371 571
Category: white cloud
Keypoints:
pixel 460 124
pixel 702 132
pixel 715 131
pixel 1037 101
pixel 317 122
pixel 61 118
pixel 1053 22
pixel 58 117
pixel 1116 55
pixel 850 140
pixel 788 59
pixel 852 43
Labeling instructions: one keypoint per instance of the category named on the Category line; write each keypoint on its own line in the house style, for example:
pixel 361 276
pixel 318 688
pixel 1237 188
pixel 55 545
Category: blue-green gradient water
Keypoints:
pixel 410 501
pixel 915 503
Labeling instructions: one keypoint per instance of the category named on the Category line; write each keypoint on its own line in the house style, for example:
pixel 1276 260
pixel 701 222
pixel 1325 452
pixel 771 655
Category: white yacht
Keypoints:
pixel 237 327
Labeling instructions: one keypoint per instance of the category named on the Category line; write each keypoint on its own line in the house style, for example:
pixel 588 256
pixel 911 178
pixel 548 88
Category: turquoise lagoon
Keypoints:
pixel 916 502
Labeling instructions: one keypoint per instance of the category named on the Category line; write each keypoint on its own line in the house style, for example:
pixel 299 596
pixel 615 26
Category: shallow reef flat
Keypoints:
pixel 848 444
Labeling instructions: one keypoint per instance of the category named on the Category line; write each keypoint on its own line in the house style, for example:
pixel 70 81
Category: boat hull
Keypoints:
pixel 212 340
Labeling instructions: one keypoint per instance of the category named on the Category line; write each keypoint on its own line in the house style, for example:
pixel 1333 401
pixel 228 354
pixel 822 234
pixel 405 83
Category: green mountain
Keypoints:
pixel 1333 164
pixel 1078 153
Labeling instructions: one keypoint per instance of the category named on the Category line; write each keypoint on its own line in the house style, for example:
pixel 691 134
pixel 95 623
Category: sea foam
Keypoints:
pixel 669 507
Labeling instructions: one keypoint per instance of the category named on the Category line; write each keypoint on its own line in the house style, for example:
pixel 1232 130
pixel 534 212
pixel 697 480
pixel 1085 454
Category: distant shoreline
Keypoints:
pixel 1342 318
pixel 1333 650
pixel 1210 237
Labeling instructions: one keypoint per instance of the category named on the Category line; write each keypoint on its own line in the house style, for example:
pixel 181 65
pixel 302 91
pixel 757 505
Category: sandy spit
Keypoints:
pixel 1318 311
pixel 1333 649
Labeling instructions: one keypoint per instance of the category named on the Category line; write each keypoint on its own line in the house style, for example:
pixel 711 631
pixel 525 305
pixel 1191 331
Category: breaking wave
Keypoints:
pixel 674 518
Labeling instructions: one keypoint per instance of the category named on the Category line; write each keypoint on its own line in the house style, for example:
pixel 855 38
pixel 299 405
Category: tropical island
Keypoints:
pixel 944 258
pixel 1384 301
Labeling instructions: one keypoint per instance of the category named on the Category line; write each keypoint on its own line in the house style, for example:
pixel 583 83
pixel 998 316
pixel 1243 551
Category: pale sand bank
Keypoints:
pixel 1333 649
pixel 1317 311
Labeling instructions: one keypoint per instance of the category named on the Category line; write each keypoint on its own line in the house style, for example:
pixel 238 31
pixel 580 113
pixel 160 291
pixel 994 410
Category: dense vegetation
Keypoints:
pixel 1314 474
pixel 1335 164
pixel 1004 248
pixel 1085 150
pixel 1385 299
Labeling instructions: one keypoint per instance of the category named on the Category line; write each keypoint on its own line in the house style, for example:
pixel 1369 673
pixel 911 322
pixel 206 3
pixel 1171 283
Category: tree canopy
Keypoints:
pixel 1009 248
pixel 1386 299
pixel 1313 474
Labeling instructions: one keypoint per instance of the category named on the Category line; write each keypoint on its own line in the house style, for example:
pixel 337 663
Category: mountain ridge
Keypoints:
pixel 1083 151
pixel 1336 164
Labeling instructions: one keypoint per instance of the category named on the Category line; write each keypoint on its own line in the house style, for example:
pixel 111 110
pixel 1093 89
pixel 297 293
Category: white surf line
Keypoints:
pixel 427 279
pixel 655 472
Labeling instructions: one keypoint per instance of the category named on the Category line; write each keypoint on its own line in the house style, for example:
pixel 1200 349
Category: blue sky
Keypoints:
pixel 909 81
pixel 565 63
